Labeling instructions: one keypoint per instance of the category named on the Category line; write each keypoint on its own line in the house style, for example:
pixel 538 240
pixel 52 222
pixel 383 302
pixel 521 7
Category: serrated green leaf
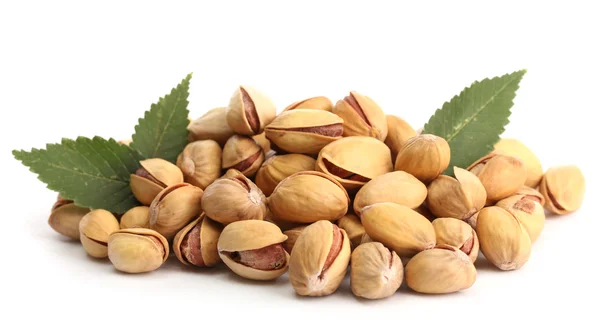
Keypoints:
pixel 473 121
pixel 162 133
pixel 94 173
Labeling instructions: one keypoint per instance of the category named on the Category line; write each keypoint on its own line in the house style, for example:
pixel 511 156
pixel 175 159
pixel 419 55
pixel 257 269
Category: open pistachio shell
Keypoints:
pixel 563 188
pixel 175 207
pixel 501 175
pixel 397 187
pixel 516 148
pixel 200 162
pixel 249 111
pixel 137 250
pixel 278 167
pixel 154 176
pixel 532 194
pixel 202 250
pixel 244 154
pixel 65 218
pixel 457 233
pixel 212 125
pixel 362 116
pixel 528 212
pixel 94 229
pixel 317 102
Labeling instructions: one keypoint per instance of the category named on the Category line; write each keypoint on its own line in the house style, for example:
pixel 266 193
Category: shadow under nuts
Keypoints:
pixel 196 243
pixel 376 272
pixel 319 260
pixel 212 125
pixel 563 188
pixel 317 102
pixel 232 199
pixel 137 250
pixel 397 187
pixel 174 208
pixel 306 197
pixel 457 233
pixel 200 163
pixel 94 229
pixel 362 116
pixel 65 218
pixel 278 167
pixel 249 111
pixel 252 249
pixel 244 154
pixel 154 176
pixel 528 212
pixel 424 156
pixel 501 175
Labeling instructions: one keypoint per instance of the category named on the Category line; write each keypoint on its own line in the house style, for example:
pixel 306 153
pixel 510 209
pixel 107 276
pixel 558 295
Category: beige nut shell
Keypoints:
pixel 174 207
pixel 94 230
pixel 236 111
pixel 212 125
pixel 397 187
pixel 528 212
pixel 516 148
pixel 165 172
pixel 240 148
pixel 353 227
pixel 376 272
pixel 563 188
pixel 501 175
pixel 138 216
pixel 209 237
pixel 278 167
pixel 317 102
pixel 65 218
pixel 457 233
pixel 399 132
pixel 131 250
pixel 200 162
pixel 375 123
pixel 424 156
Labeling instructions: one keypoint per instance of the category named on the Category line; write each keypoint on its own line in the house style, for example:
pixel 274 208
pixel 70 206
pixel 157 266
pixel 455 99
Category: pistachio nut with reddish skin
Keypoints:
pixel 175 207
pixel 457 233
pixel 563 188
pixel 252 249
pixel 244 154
pixel 152 177
pixel 319 259
pixel 196 244
pixel 304 131
pixel 212 125
pixel 249 111
pixel 362 116
pixel 317 102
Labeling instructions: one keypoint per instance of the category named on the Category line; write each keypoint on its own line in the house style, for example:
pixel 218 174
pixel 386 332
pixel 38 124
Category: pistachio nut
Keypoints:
pixel 212 125
pixel 397 187
pixel 200 163
pixel 398 227
pixel 244 154
pixel 232 199
pixel 322 195
pixel 515 148
pixel 459 197
pixel 376 272
pixel 249 111
pixel 443 269
pixel 528 212
pixel 319 260
pixel 278 167
pixel 424 156
pixel 94 229
pixel 399 132
pixel 532 194
pixel 138 216
pixel 563 188
pixel 354 161
pixel 362 116
pixel 457 233
pixel 263 142
pixel 196 243
pixel 65 218
pixel 292 235
pixel 137 250
pixel 317 102
pixel 353 227
pixel 252 249
pixel 503 240
pixel 501 175
pixel 154 176
pixel 304 130
pixel 175 207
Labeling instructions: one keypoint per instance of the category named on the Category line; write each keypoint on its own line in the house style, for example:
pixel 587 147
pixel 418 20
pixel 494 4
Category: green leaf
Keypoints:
pixel 162 133
pixel 94 173
pixel 473 121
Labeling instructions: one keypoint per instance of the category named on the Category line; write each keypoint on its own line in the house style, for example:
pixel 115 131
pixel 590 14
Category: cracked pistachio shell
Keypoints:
pixel 533 194
pixel 528 212
pixel 200 163
pixel 353 227
pixel 175 207
pixel 424 156
pixel 154 176
pixel 398 227
pixel 196 243
pixel 232 199
pixel 65 218
pixel 249 111
pixel 278 167
pixel 399 132
pixel 317 102
pixel 244 154
pixel 137 250
pixel 376 272
pixel 457 233
pixel 319 260
pixel 563 189
pixel 515 148
pixel 501 175
pixel 304 131
pixel 212 125
pixel 362 116
pixel 354 161
pixel 138 216
pixel 459 197
pixel 444 269
pixel 306 197
pixel 251 235
pixel 503 240
pixel 292 235
pixel 94 229
pixel 397 187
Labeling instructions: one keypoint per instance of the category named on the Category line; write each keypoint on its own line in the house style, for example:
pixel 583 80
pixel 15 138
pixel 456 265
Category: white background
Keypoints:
pixel 70 69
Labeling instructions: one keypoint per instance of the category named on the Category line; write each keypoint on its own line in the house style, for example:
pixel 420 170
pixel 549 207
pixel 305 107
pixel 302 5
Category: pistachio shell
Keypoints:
pixel 325 197
pixel 200 163
pixel 503 240
pixel 175 207
pixel 531 194
pixel 528 212
pixel 319 260
pixel 376 271
pixel 204 249
pixel 138 216
pixel 354 161
pixel 137 250
pixel 244 154
pixel 398 227
pixel 457 233
pixel 94 229
pixel 353 227
pixel 278 167
pixel 397 187
pixel 65 218
pixel 501 175
pixel 292 235
pixel 515 148
pixel 212 125
pixel 424 156
pixel 304 130
pixel 263 142
pixel 444 269
pixel 154 176
pixel 249 111
pixel 563 188
pixel 317 102
pixel 399 132
pixel 362 116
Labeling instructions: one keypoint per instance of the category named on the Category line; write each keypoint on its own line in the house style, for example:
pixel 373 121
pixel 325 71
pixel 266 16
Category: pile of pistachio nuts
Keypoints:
pixel 319 190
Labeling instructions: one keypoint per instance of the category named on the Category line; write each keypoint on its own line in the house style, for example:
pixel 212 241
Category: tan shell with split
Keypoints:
pixel 200 162
pixel 457 233
pixel 563 188
pixel 212 125
pixel 137 250
pixel 528 212
pixel 424 156
pixel 397 187
pixel 65 218
pixel 249 99
pixel 244 154
pixel 175 207
pixel 278 167
pixel 165 172
pixel 501 175
pixel 362 116
pixel 515 148
pixel 94 229
pixel 209 237
pixel 376 271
